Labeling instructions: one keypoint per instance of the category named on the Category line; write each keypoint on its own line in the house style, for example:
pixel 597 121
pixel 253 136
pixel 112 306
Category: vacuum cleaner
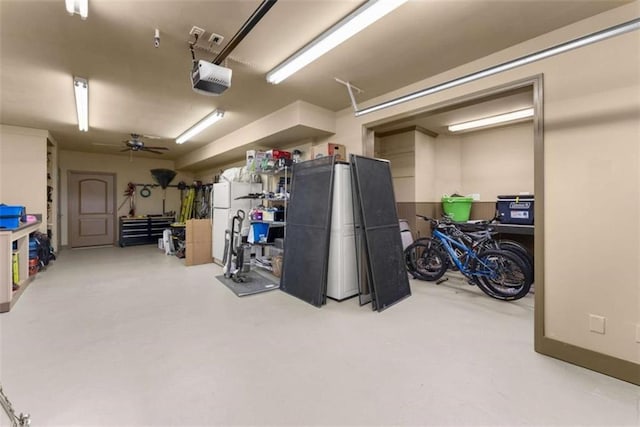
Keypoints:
pixel 234 250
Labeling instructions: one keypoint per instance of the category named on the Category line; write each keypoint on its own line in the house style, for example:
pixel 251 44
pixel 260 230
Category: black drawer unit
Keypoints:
pixel 143 230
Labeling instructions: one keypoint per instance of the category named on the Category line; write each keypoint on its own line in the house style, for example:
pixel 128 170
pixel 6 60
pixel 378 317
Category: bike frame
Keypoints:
pixel 449 242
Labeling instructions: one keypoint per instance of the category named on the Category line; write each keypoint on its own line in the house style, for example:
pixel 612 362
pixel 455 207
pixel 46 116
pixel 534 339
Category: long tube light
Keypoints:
pixel 81 89
pixel 493 120
pixel 200 126
pixel 353 23
pixel 80 7
pixel 616 30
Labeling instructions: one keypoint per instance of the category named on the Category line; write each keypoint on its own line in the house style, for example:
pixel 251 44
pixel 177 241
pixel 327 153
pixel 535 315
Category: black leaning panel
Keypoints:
pixel 302 269
pixel 381 230
pixel 376 189
pixel 306 244
pixel 387 266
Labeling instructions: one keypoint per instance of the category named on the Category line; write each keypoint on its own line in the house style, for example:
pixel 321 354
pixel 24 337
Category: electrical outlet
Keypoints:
pixel 216 39
pixel 596 323
pixel 196 31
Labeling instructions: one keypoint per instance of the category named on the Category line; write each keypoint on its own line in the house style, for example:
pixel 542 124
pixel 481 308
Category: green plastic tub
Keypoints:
pixel 458 208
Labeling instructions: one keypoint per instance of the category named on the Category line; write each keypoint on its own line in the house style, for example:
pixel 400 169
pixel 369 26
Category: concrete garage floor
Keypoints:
pixel 130 337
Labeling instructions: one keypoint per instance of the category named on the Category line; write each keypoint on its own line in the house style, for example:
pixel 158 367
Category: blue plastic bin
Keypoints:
pixel 10 216
pixel 260 230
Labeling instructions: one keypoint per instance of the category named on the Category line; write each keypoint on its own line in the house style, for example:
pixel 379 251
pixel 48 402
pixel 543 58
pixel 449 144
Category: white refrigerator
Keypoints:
pixel 225 206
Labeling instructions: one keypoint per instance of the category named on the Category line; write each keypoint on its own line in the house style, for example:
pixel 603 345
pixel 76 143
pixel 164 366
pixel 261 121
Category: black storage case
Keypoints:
pixel 515 209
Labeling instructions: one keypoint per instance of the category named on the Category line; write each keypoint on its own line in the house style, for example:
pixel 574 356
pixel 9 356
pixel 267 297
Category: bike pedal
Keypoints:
pixel 444 279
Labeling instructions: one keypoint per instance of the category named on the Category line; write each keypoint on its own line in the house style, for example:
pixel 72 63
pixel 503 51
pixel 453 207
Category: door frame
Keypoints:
pixel 114 207
pixel 543 344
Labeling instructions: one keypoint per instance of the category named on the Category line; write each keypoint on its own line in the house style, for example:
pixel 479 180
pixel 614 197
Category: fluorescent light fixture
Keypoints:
pixel 493 120
pixel 81 7
pixel 81 88
pixel 200 126
pixel 598 36
pixel 353 23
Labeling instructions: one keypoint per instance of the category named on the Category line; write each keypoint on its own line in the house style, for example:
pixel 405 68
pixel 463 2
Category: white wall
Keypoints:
pixel 426 163
pixel 447 175
pixel 23 169
pixel 126 170
pixel 498 161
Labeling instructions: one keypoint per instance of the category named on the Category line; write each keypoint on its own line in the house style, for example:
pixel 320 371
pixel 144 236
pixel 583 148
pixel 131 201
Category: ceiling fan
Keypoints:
pixel 136 144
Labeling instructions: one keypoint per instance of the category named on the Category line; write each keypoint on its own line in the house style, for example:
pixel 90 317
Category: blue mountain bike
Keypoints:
pixel 499 273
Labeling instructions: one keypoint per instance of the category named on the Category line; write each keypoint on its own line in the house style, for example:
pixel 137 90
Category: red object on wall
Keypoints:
pixel 279 154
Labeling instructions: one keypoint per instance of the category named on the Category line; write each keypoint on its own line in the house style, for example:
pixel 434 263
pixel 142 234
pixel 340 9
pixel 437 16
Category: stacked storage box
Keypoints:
pixel 10 216
pixel 33 256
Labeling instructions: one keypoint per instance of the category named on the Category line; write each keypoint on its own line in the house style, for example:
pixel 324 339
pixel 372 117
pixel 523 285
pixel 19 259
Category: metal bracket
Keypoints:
pixel 350 89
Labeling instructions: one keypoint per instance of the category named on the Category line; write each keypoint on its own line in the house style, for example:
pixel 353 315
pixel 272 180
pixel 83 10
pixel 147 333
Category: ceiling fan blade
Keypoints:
pixel 157 148
pixel 152 151
pixel 144 135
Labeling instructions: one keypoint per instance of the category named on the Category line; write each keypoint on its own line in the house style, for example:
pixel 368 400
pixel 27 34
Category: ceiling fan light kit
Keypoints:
pixel 81 89
pixel 81 7
pixel 350 25
pixel 210 119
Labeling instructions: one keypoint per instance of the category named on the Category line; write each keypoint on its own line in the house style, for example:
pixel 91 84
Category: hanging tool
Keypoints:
pixel 129 195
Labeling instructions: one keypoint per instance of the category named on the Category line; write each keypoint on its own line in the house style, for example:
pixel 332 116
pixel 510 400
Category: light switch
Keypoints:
pixel 596 323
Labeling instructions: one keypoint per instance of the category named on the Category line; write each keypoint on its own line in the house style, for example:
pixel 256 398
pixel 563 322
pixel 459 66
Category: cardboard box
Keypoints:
pixel 198 253
pixel 198 242
pixel 329 149
pixel 198 231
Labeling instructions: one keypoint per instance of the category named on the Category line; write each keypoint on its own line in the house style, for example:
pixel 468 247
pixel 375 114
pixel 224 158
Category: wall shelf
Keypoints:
pixel 8 297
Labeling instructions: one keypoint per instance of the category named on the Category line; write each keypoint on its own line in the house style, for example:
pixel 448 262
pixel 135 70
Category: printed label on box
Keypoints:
pixel 520 214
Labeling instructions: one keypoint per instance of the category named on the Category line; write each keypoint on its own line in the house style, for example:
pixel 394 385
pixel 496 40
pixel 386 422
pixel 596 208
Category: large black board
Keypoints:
pixel 306 242
pixel 383 244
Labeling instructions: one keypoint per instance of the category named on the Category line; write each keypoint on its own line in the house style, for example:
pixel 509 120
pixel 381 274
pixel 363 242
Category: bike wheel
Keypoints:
pixel 451 265
pixel 520 250
pixel 517 250
pixel 501 274
pixel 425 260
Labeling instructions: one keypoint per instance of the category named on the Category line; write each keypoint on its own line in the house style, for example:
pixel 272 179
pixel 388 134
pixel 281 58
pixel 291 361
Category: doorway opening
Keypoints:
pixel 429 161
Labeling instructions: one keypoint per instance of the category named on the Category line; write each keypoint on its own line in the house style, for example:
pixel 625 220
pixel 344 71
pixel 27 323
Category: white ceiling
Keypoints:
pixel 135 87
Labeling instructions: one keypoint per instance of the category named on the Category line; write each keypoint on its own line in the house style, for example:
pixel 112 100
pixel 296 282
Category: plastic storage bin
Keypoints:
pixel 515 209
pixel 258 232
pixel 458 208
pixel 10 216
